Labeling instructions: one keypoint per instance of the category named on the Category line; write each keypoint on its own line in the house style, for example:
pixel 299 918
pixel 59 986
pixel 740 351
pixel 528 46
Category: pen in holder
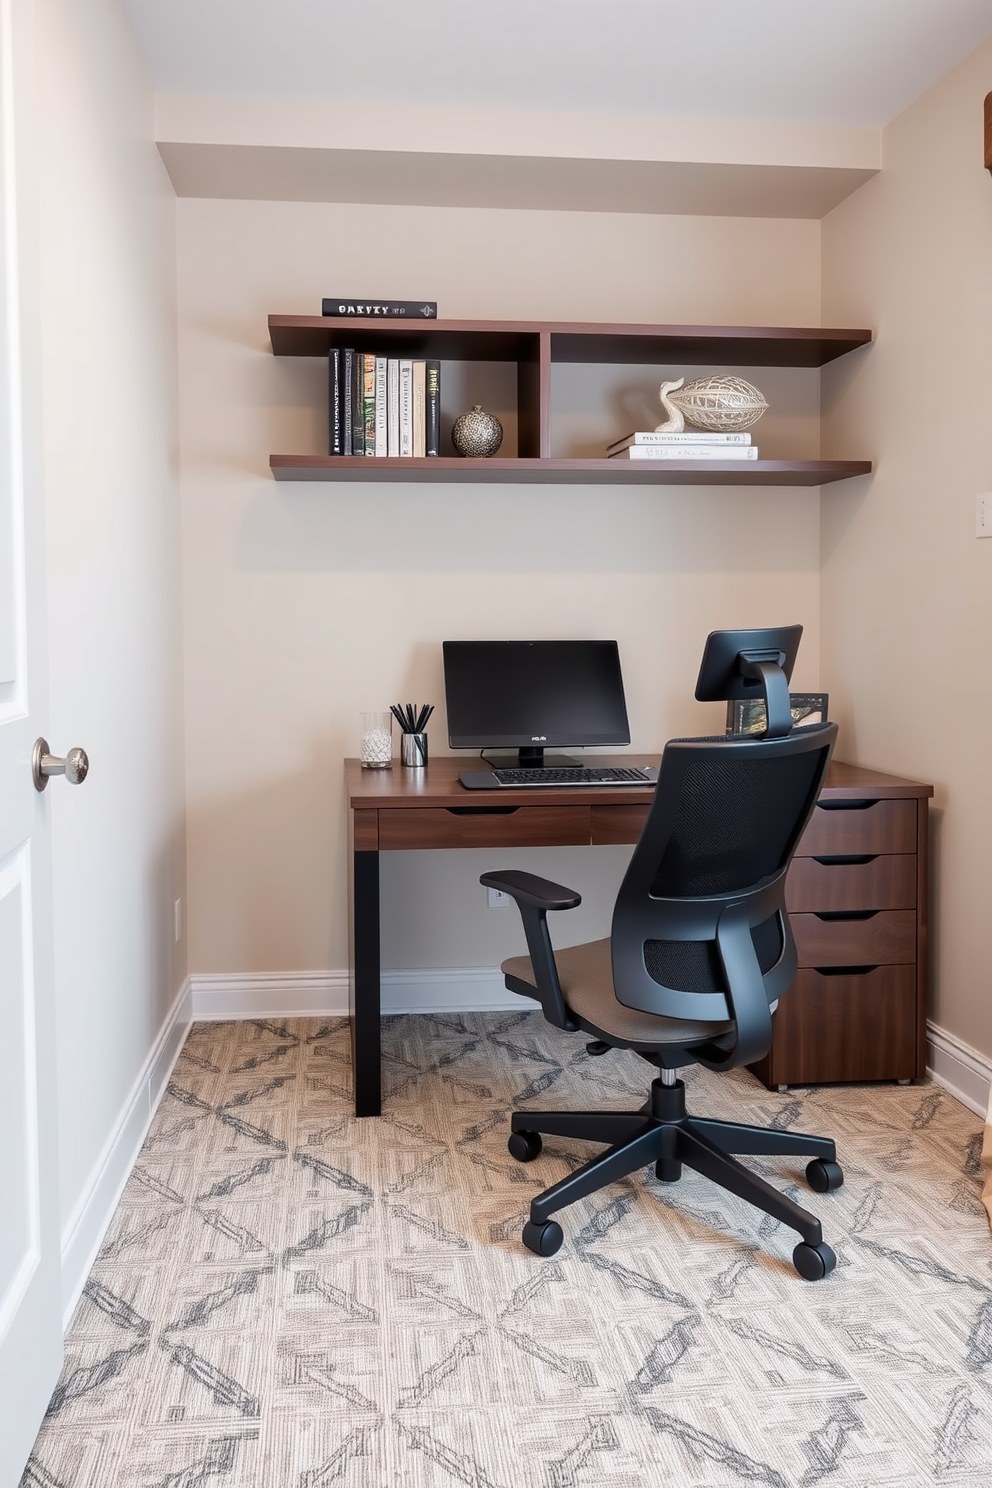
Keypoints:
pixel 413 740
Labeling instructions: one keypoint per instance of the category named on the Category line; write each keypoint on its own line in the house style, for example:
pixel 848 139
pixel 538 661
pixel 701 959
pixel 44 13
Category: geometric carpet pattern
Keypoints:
pixel 289 1297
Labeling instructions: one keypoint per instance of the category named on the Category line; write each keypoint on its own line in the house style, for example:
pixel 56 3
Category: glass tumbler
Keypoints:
pixel 377 740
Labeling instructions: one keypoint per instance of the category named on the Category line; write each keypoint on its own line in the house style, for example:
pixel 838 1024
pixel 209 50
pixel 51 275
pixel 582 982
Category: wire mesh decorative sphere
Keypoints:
pixel 719 404
pixel 477 434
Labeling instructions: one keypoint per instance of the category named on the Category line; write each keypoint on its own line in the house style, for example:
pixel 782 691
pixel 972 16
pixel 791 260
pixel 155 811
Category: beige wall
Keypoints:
pixel 306 603
pixel 107 278
pixel 907 588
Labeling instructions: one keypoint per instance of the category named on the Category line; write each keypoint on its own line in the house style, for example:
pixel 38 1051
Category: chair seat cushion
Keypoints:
pixel 586 976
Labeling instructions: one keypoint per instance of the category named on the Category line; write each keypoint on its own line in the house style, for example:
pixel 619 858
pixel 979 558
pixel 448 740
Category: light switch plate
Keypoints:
pixel 983 514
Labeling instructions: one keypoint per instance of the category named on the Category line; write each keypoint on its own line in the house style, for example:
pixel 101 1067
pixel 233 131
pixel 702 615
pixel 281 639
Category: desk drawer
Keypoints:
pixel 618 823
pixel 860 1026
pixel 887 938
pixel 885 881
pixel 857 827
pixel 469 826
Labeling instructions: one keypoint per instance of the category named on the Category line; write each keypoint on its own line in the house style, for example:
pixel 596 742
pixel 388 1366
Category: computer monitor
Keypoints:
pixel 532 695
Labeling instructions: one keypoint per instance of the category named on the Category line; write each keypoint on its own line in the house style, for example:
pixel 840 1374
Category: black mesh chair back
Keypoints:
pixel 700 931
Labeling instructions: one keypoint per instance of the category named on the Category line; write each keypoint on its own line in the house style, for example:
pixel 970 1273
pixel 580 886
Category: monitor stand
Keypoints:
pixel 531 759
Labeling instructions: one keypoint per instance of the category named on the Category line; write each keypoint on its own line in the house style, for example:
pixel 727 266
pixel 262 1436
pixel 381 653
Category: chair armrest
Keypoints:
pixel 527 888
pixel 534 897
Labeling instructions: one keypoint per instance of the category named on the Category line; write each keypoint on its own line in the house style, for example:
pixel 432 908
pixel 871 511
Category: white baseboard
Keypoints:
pixel 292 994
pixel 84 1231
pixel 299 994
pixel 959 1069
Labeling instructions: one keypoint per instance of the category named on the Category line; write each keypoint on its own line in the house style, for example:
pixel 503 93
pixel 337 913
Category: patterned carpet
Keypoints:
pixel 290 1298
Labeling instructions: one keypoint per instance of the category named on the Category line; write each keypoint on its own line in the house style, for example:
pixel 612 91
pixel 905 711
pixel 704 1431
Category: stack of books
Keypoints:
pixel 388 406
pixel 691 444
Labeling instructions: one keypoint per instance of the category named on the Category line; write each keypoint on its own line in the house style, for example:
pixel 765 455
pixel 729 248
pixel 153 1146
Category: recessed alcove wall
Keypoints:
pixel 306 603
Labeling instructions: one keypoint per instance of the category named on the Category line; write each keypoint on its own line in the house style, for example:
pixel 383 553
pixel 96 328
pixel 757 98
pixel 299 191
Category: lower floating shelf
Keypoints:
pixel 567 472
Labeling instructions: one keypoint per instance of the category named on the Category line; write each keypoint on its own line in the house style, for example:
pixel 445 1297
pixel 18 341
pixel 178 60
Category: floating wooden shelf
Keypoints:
pixel 568 472
pixel 536 348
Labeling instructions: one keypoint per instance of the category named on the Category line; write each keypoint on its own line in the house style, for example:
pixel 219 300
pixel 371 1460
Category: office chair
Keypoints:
pixel 700 951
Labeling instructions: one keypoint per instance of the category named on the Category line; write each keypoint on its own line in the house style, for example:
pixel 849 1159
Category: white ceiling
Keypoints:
pixel 854 62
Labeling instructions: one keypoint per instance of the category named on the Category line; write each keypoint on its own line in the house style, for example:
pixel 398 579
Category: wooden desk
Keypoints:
pixel 402 810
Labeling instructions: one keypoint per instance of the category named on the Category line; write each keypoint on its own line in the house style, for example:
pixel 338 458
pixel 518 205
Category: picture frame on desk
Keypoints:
pixel 747 715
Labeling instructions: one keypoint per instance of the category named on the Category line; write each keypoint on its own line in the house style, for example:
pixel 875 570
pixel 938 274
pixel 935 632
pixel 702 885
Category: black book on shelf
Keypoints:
pixel 335 445
pixel 341 307
pixel 358 404
pixel 347 398
pixel 432 408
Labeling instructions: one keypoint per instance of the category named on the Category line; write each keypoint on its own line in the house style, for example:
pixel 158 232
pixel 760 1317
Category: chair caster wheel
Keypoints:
pixel 598 1047
pixel 813 1262
pixel 543 1239
pixel 824 1176
pixel 524 1146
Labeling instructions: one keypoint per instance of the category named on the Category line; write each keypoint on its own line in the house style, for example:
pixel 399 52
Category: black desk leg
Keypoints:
pixel 365 1007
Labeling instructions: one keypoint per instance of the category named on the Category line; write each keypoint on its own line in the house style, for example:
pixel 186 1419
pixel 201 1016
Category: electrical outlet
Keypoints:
pixel 177 920
pixel 497 899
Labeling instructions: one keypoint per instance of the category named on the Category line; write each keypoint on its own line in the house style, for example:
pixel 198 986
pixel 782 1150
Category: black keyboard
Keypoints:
pixel 579 775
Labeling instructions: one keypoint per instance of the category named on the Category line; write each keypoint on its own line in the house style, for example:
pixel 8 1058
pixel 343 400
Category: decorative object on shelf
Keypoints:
pixel 747 715
pixel 477 434
pixel 343 307
pixel 720 404
pixel 377 740
pixel 412 720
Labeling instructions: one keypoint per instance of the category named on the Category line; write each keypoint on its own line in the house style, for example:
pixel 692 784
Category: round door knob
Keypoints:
pixel 75 766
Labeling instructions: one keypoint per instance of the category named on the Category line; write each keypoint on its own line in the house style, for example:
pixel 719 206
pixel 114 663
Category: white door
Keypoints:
pixel 30 1290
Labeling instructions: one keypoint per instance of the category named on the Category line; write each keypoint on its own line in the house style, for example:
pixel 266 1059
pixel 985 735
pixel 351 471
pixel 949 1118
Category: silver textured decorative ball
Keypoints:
pixel 477 434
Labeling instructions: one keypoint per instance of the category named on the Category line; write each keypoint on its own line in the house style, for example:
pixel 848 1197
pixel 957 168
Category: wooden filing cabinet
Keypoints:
pixel 857 897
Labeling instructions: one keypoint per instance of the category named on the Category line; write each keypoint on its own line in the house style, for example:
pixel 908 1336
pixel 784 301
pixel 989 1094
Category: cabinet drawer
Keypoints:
pixel 521 826
pixel 887 938
pixel 885 881
pixel 832 1027
pixel 875 827
pixel 618 823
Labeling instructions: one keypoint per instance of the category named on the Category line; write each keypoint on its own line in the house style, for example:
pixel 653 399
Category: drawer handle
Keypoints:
pixel 840 860
pixel 846 914
pixel 844 970
pixel 845 805
pixel 481 810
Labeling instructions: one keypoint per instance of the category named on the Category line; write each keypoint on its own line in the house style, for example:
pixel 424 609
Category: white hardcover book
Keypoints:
pixel 686 436
pixel 406 406
pixel 392 406
pixel 688 452
pixel 420 409
pixel 380 407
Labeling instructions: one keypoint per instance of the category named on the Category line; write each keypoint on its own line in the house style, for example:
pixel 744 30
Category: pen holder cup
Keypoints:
pixel 377 740
pixel 413 750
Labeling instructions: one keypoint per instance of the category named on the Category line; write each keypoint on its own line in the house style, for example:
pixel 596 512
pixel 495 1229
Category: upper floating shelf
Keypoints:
pixel 514 341
pixel 536 348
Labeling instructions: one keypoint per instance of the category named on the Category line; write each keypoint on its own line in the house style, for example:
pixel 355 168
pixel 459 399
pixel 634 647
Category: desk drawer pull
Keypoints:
pixel 845 914
pixel 844 970
pixel 481 810
pixel 859 805
pixel 845 860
